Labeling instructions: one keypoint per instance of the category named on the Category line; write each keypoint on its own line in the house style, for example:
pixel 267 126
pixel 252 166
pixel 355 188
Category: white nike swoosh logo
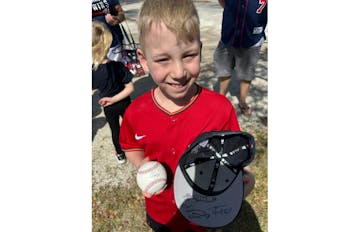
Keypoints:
pixel 138 137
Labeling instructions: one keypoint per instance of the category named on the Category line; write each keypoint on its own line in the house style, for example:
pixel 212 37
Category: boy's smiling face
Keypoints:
pixel 174 65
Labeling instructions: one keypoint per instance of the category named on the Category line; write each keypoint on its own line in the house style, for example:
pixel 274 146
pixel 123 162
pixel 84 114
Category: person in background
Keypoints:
pixel 114 82
pixel 111 13
pixel 242 33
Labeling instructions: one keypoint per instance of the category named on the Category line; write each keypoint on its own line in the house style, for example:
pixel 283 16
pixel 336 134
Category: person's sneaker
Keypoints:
pixel 121 158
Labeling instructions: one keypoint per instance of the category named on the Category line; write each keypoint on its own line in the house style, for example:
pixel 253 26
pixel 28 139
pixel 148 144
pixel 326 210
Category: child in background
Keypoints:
pixel 160 124
pixel 113 80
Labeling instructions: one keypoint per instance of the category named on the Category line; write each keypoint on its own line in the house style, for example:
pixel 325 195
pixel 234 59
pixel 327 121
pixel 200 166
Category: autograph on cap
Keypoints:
pixel 213 211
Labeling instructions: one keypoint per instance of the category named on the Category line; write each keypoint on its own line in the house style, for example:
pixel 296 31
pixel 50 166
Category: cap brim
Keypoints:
pixel 208 211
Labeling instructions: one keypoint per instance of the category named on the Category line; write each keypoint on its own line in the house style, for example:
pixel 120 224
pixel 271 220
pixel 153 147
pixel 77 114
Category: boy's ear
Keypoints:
pixel 142 59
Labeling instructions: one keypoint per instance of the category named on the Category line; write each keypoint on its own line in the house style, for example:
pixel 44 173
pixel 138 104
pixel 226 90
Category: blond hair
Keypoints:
pixel 101 41
pixel 179 16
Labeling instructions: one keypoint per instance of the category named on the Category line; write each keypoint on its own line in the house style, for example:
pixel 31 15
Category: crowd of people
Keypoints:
pixel 154 124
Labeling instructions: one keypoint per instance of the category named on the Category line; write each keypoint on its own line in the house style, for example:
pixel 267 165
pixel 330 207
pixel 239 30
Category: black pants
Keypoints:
pixel 112 114
pixel 157 227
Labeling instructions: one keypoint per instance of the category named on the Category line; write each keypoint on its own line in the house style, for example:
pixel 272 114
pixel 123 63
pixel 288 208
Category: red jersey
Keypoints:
pixel 164 136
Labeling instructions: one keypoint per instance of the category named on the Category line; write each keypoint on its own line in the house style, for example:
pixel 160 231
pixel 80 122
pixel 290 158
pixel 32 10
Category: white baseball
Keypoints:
pixel 151 177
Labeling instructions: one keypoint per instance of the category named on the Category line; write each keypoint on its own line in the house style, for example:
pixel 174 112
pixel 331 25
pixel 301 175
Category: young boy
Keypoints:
pixel 160 124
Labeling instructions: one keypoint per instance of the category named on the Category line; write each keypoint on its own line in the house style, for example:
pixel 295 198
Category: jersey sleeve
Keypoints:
pixel 127 135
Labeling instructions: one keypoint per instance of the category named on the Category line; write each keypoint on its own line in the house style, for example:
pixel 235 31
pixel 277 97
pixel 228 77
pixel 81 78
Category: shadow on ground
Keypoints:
pixel 207 79
pixel 247 220
pixel 142 85
pixel 97 122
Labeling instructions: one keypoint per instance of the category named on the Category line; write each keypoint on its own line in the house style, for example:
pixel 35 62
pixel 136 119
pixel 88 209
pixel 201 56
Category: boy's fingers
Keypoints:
pixel 148 195
pixel 246 178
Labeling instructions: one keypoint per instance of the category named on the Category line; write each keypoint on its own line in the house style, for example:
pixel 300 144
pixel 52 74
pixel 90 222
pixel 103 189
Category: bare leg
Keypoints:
pixel 224 83
pixel 244 89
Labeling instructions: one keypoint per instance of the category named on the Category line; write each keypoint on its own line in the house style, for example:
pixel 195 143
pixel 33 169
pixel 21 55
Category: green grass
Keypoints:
pixel 120 209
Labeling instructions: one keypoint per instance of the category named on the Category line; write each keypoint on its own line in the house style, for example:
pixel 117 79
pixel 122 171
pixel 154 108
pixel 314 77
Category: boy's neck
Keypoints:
pixel 173 105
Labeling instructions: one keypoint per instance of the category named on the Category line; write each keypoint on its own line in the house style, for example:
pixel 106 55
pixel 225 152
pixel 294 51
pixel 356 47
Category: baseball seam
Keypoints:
pixel 149 169
pixel 152 183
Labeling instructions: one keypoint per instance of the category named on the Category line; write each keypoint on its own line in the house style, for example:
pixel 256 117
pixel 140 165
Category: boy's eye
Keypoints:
pixel 191 55
pixel 161 60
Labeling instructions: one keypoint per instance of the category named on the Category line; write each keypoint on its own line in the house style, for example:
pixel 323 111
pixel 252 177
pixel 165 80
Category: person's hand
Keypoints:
pixel 112 20
pixel 246 177
pixel 108 18
pixel 106 101
pixel 144 160
pixel 148 195
pixel 249 181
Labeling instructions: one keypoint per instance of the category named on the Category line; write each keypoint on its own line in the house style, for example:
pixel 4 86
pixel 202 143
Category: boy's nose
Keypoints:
pixel 178 70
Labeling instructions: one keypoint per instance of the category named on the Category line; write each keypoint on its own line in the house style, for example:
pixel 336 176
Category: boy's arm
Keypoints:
pixel 106 101
pixel 136 158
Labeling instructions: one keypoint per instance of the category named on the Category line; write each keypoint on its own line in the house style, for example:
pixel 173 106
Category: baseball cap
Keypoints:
pixel 208 184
